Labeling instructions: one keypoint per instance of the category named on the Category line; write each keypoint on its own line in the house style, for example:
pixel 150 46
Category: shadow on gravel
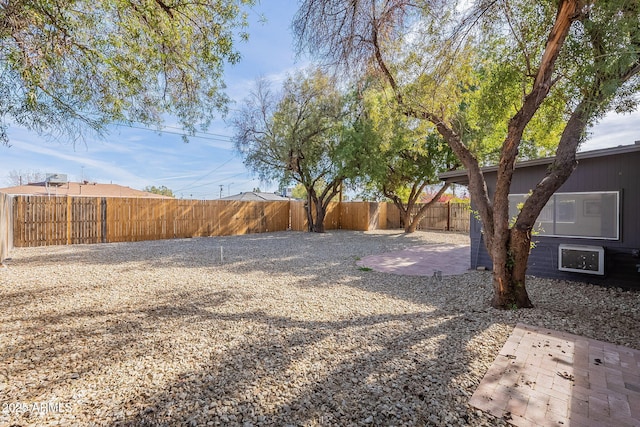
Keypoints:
pixel 383 369
pixel 396 370
pixel 416 367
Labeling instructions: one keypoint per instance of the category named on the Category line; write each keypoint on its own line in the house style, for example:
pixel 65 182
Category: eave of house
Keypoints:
pixel 460 176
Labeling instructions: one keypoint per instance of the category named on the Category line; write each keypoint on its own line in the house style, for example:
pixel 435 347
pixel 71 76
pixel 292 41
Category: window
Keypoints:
pixel 582 215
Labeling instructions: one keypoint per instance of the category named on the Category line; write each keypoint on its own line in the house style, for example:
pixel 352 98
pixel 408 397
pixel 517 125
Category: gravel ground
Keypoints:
pixel 286 330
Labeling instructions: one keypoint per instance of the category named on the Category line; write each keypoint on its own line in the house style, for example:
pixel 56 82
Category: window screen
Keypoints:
pixel 587 215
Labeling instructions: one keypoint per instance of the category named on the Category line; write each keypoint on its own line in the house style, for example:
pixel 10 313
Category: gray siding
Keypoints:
pixel 607 173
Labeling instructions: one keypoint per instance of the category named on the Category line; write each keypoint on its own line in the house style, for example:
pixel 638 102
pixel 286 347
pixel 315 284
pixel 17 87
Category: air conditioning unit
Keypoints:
pixel 581 259
pixel 56 178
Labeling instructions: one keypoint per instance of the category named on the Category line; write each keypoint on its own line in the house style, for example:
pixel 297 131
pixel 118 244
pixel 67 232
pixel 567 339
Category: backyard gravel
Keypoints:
pixel 286 329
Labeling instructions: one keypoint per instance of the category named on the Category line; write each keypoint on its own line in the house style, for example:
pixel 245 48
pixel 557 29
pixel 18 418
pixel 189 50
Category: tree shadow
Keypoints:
pixel 386 369
pixel 415 360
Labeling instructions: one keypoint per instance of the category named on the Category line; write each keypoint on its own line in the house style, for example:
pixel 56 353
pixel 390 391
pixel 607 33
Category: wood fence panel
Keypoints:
pixel 435 218
pixel 441 216
pixel 384 216
pixel 226 218
pixel 6 225
pixel 377 216
pixel 118 220
pixel 298 216
pixel 393 217
pixel 277 214
pixel 85 222
pixel 40 221
pixel 181 218
pixel 244 218
pixel 354 216
pixel 460 217
pixel 332 217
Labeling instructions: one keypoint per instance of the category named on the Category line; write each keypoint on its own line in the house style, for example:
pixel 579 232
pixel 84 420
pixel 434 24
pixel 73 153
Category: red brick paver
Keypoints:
pixel 549 378
pixel 422 260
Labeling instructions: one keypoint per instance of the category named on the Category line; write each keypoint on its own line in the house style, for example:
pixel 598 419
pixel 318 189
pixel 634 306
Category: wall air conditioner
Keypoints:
pixel 581 259
pixel 56 178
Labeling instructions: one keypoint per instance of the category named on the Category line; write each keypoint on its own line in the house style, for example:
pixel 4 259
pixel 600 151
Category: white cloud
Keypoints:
pixel 614 130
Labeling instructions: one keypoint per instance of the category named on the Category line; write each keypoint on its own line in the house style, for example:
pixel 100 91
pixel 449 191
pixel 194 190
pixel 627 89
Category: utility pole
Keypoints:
pixel 221 188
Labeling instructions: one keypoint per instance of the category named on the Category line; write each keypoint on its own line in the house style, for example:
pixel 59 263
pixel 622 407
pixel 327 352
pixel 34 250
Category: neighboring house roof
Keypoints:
pixel 251 196
pixel 459 176
pixel 88 189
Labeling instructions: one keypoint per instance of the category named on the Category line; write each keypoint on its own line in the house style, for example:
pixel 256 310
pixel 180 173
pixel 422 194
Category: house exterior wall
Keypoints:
pixel 619 172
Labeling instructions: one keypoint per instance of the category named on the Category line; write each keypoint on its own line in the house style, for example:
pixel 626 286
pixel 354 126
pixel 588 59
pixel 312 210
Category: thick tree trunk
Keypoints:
pixel 413 226
pixel 320 215
pixel 406 220
pixel 405 213
pixel 510 257
pixel 509 250
pixel 310 222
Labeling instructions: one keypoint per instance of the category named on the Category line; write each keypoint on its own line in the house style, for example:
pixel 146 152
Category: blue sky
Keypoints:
pixel 138 158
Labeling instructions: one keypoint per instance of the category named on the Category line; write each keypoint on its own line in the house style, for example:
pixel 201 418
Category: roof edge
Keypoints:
pixel 459 176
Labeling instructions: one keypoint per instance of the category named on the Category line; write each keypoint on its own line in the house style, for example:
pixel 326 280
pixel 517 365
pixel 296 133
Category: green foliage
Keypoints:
pixel 404 154
pixel 499 81
pixel 300 192
pixel 78 65
pixel 292 135
pixel 162 190
pixel 301 134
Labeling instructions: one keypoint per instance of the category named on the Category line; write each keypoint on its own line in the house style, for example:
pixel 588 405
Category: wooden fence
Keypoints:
pixel 441 216
pixel 43 220
pixel 361 216
pixel 6 228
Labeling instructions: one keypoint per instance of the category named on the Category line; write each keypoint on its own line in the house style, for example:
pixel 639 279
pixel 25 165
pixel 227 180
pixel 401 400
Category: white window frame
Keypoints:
pixel 584 193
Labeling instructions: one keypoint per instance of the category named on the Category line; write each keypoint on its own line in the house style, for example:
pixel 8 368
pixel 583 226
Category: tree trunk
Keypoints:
pixel 309 209
pixel 412 227
pixel 320 214
pixel 510 257
pixel 409 226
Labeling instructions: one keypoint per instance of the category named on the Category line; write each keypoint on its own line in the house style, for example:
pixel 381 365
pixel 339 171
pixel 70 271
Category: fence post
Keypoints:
pixel 449 215
pixel 69 210
pixel 103 217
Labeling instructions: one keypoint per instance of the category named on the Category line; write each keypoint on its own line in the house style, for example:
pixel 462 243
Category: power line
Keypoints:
pixel 199 131
pixel 220 138
pixel 190 186
pixel 217 180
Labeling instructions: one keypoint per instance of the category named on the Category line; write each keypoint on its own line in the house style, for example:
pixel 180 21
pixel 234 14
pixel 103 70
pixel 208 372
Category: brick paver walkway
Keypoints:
pixel 422 260
pixel 549 378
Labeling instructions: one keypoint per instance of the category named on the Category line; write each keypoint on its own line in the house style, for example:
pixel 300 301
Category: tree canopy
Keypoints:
pixel 404 156
pixel 162 190
pixel 299 134
pixel 77 65
pixel 509 65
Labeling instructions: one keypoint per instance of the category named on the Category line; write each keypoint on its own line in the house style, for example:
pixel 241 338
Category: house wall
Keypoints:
pixel 608 173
